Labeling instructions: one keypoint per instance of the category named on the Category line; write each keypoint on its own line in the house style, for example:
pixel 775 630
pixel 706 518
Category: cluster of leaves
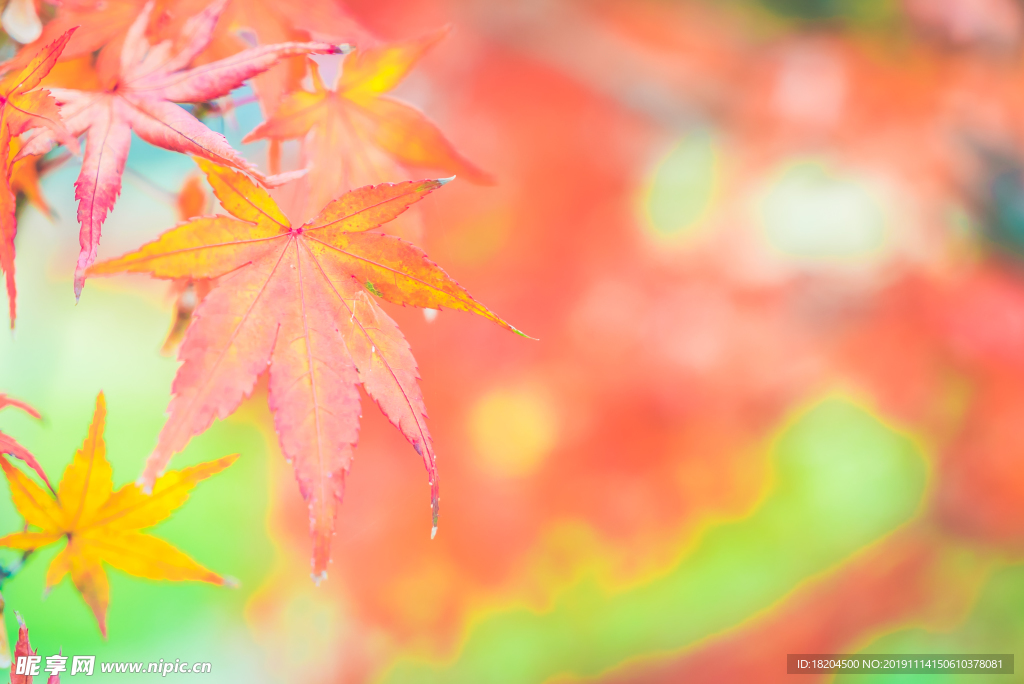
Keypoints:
pixel 296 301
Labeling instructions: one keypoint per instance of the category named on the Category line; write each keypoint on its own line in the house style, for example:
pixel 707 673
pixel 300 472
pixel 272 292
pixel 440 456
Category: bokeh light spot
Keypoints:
pixel 513 430
pixel 810 212
pixel 682 189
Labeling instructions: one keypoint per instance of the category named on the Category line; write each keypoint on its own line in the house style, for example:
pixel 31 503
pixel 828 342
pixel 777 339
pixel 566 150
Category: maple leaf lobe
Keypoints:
pixel 23 107
pixel 9 446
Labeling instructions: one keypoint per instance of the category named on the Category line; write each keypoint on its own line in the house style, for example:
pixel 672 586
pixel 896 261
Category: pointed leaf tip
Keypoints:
pixel 319 577
pixel 433 531
pixel 231 582
pixel 446 181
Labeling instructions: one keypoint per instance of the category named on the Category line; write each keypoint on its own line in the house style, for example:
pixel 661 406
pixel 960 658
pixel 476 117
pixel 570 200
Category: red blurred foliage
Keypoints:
pixel 669 369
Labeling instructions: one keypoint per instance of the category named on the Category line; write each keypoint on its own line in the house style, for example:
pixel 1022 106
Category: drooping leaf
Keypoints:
pixel 25 178
pixel 301 300
pixel 101 525
pixel 355 134
pixel 151 79
pixel 25 175
pixel 24 106
pixel 9 446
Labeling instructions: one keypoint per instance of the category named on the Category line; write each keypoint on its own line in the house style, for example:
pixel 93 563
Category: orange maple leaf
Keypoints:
pixel 25 178
pixel 355 134
pixel 102 525
pixel 24 106
pixel 300 300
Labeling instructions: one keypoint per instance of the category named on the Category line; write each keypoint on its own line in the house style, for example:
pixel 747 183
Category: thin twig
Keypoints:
pixel 9 571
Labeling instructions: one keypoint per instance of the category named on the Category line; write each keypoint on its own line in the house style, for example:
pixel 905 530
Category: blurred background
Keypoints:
pixel 772 253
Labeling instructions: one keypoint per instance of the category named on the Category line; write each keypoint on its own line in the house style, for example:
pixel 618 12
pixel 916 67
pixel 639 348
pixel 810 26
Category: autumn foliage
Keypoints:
pixel 301 301
pixel 25 106
pixel 100 525
pixel 295 300
pixel 772 251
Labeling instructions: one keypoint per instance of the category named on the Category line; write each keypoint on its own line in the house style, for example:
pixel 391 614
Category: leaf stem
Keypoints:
pixel 9 571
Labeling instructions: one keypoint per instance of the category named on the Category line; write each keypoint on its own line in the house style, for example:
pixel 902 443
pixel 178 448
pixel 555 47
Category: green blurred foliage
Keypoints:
pixel 842 479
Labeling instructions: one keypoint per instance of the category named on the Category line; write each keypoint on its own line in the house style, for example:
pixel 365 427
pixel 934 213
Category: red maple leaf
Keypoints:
pixel 24 106
pixel 151 80
pixel 9 446
pixel 300 301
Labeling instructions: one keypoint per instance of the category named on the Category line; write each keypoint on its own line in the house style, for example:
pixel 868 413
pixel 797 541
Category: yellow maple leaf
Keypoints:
pixel 102 525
